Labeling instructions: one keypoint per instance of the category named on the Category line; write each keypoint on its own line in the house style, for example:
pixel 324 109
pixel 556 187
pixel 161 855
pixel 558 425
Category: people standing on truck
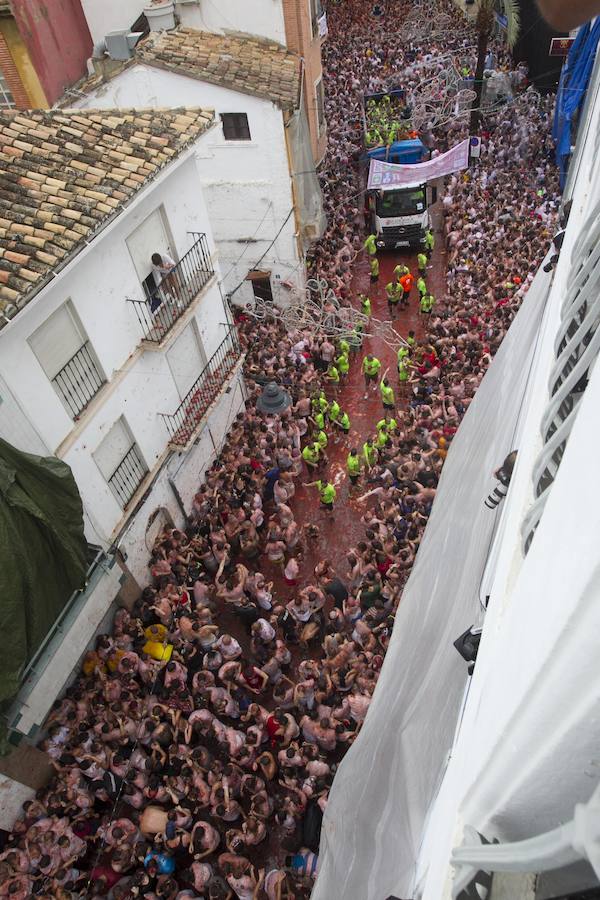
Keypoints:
pixel 406 282
pixel 393 293
pixel 429 242
pixel 422 262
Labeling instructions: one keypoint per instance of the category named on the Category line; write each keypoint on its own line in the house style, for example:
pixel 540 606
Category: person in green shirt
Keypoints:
pixel 426 304
pixel 319 420
pixel 369 453
pixel 422 262
pixel 320 437
pixel 344 346
pixel 393 292
pixel 374 265
pixel 370 367
pixel 327 492
pixel 429 242
pixel 311 455
pixel 370 245
pixel 421 286
pixel 356 338
pixel 343 364
pixel 402 352
pixel 332 374
pixel 381 439
pixel 343 422
pixel 411 339
pixel 388 423
pixel 400 270
pixel 365 304
pixel 323 402
pixel 353 465
pixel 403 369
pixel 334 411
pixel 387 392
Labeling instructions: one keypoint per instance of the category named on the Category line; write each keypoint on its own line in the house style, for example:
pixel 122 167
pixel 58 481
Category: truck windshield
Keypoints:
pixel 400 203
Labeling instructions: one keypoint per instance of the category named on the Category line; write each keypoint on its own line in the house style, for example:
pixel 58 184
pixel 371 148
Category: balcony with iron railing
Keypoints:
pixel 212 381
pixel 79 380
pixel 127 477
pixel 169 300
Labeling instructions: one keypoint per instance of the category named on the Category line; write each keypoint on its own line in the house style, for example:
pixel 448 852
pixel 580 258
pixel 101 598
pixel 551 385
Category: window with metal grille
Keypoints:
pixel 576 349
pixel 67 357
pixel 7 101
pixel 235 127
pixel 119 459
pixel 320 97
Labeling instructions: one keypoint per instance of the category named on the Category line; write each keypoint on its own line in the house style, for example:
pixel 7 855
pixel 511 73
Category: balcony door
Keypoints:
pixel 152 236
pixel 186 359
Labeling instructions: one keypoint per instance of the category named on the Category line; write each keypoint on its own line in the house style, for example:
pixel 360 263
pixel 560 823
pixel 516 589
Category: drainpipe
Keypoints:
pixel 286 122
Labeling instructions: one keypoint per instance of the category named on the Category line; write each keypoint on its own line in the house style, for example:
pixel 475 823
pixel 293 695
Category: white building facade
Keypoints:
pixel 132 384
pixel 263 200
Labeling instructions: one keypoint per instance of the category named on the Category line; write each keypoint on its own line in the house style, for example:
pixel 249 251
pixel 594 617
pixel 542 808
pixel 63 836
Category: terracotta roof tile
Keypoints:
pixel 250 65
pixel 56 192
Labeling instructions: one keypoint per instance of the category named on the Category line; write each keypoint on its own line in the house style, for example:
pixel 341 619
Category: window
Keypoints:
pixel 120 462
pixel 67 358
pixel 7 101
pixel 316 12
pixel 320 96
pixel 235 127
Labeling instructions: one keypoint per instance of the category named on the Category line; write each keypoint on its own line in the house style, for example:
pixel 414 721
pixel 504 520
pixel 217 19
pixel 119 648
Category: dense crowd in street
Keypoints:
pixel 195 753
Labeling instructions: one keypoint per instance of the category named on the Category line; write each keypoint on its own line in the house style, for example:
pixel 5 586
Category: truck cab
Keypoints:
pixel 400 216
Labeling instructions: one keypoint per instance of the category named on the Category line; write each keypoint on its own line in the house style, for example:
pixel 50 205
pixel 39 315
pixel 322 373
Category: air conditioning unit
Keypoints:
pixel 160 15
pixel 120 44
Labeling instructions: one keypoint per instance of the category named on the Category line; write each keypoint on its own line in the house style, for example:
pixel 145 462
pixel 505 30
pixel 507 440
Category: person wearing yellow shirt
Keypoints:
pixel 334 411
pixel 400 270
pixel 370 367
pixel 422 263
pixel 394 292
pixel 353 465
pixel 387 392
pixel 343 422
pixel 332 375
pixel 327 492
pixel 369 453
pixel 342 364
pixel 370 244
pixel 311 455
pixel 421 286
pixel 365 304
pixel 320 437
pixel 374 266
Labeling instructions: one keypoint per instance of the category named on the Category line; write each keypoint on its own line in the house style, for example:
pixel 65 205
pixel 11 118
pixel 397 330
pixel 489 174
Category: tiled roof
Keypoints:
pixel 250 65
pixel 63 173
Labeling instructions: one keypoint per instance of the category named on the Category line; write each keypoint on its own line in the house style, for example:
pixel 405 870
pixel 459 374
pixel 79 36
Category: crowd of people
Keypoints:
pixel 194 755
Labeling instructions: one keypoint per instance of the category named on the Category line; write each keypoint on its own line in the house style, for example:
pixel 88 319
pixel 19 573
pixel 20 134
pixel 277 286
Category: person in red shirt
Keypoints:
pixel 407 281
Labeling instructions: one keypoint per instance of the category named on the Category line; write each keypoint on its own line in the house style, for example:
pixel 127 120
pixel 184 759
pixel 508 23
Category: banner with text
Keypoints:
pixel 385 176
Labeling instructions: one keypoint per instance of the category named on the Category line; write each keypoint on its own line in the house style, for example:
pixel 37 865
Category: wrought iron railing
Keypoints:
pixel 209 384
pixel 168 301
pixel 79 380
pixel 128 475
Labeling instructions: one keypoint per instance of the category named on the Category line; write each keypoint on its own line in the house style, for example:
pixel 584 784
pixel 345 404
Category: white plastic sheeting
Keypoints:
pixel 382 792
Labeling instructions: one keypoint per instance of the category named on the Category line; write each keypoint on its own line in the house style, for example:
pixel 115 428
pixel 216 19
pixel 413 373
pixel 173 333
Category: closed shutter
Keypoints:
pixel 186 360
pixel 148 238
pixel 113 449
pixel 56 341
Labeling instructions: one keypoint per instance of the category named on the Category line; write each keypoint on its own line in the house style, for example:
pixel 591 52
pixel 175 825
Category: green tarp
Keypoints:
pixel 43 557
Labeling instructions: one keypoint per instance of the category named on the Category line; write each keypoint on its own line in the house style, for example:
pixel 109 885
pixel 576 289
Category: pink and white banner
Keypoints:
pixel 385 176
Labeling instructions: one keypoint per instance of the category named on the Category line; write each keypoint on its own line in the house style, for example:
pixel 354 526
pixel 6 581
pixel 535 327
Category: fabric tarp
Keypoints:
pixel 382 792
pixel 574 80
pixel 43 555
pixel 385 176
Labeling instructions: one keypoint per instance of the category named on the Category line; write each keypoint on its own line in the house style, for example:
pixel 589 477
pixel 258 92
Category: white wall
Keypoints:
pixel 140 385
pixel 247 184
pixel 111 15
pixel 259 17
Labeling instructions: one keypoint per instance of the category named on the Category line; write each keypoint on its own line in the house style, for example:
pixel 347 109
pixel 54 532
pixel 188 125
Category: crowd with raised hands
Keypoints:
pixel 194 754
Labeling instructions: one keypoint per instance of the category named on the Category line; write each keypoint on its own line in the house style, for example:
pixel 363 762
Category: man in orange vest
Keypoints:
pixel 407 280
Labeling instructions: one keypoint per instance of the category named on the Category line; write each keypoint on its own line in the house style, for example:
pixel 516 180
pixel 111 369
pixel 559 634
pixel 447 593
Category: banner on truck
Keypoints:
pixel 385 176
